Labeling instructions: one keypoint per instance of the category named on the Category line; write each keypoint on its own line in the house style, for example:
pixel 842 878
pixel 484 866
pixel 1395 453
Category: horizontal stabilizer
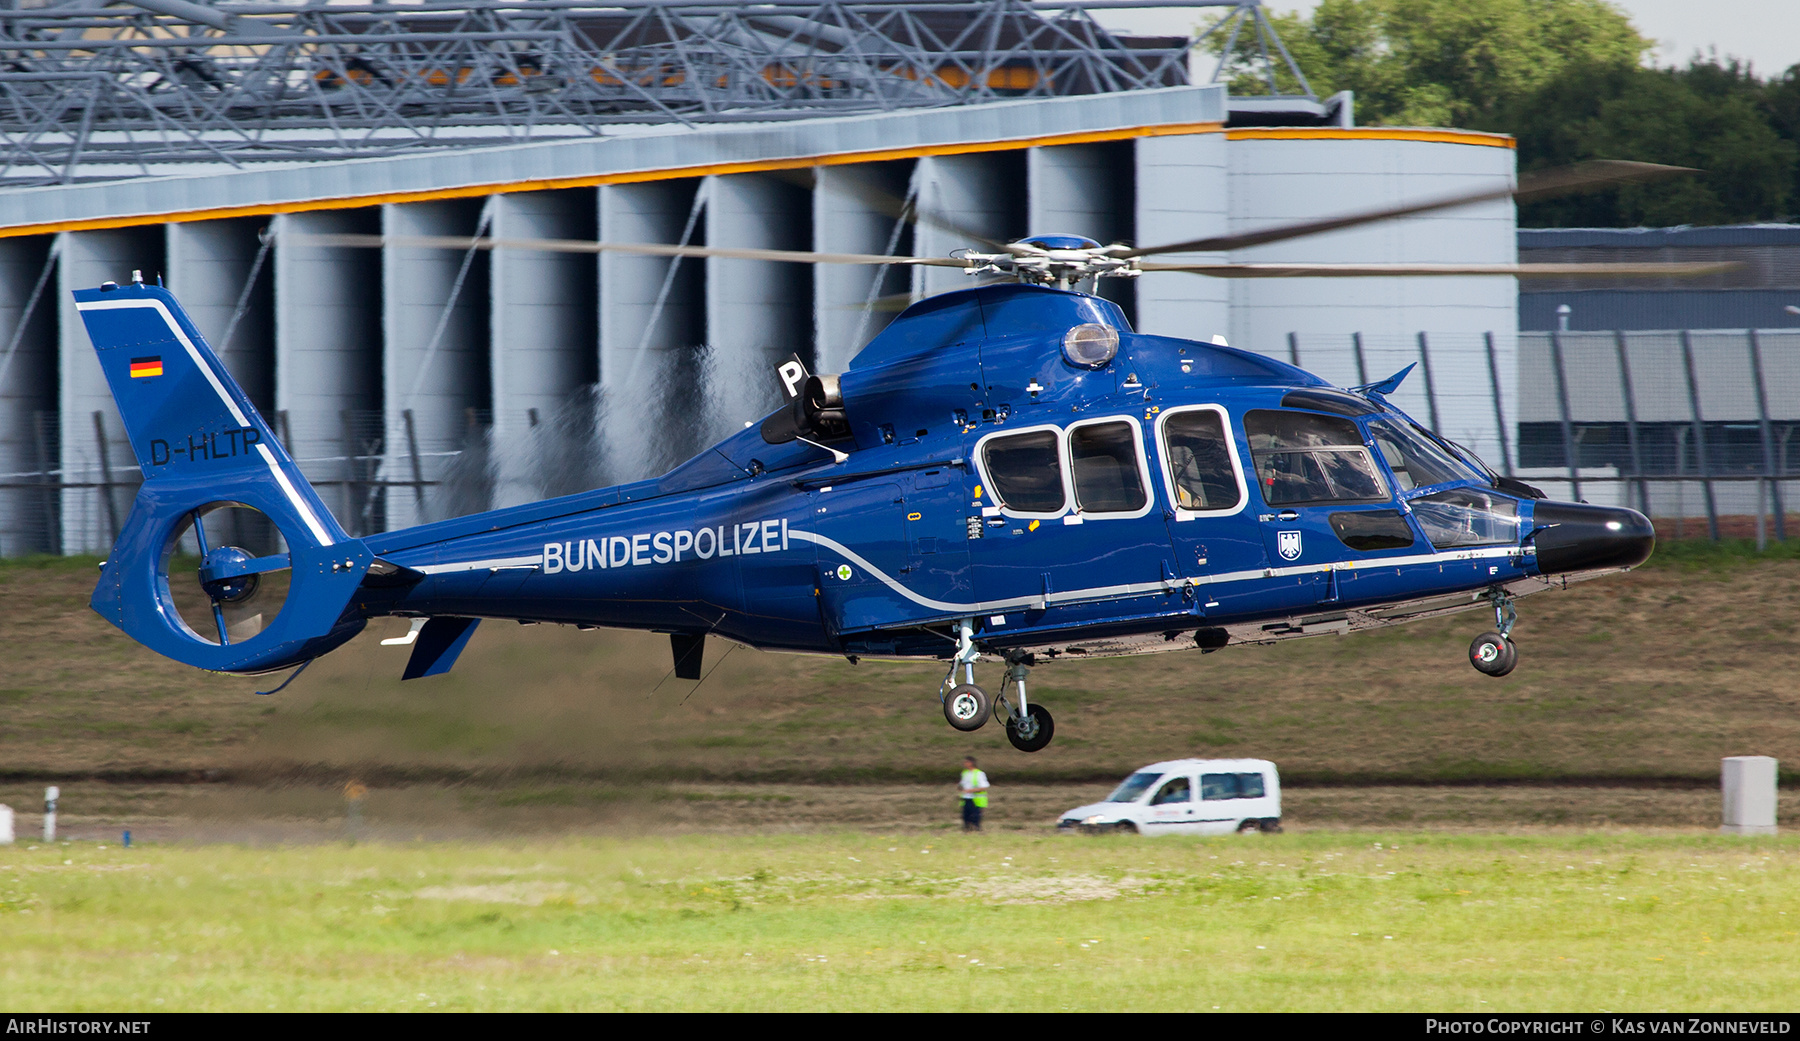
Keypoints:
pixel 438 646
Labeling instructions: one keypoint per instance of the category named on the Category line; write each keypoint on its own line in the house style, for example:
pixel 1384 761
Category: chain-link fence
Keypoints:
pixel 81 505
pixel 374 470
pixel 31 498
pixel 1462 385
pixel 1698 429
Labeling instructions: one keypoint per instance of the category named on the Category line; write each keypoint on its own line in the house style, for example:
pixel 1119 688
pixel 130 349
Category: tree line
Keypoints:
pixel 1566 79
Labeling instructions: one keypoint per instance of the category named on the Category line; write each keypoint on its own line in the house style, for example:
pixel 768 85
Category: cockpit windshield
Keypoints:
pixel 1416 460
pixel 1135 785
pixel 1467 517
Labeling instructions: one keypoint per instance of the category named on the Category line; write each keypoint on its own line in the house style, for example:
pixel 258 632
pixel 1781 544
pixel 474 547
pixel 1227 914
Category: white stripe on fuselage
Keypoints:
pixel 193 352
pixel 1071 596
pixel 1141 588
pixel 494 564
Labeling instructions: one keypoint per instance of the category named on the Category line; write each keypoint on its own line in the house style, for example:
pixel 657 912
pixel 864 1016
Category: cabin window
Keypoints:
pixel 1231 786
pixel 1372 529
pixel 1108 477
pixel 1303 457
pixel 1178 790
pixel 1416 460
pixel 1025 471
pixel 1200 461
pixel 1467 517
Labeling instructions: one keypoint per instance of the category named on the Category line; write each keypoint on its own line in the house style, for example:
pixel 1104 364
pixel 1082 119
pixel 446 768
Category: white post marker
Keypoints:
pixel 50 795
pixel 1748 782
pixel 6 825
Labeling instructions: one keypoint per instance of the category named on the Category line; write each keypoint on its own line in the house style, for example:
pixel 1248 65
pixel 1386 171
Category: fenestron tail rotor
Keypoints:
pixel 227 570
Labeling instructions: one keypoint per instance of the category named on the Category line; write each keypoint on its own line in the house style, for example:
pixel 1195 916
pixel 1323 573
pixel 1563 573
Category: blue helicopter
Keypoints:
pixel 1007 473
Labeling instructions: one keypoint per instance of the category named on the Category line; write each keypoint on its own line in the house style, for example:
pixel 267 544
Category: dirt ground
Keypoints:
pixel 258 815
pixel 1650 676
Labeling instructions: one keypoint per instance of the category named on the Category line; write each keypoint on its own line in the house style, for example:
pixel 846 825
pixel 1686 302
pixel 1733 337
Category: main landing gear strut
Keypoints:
pixel 1493 654
pixel 967 707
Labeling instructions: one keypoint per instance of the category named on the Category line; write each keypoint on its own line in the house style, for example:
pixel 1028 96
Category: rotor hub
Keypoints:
pixel 1059 260
pixel 225 575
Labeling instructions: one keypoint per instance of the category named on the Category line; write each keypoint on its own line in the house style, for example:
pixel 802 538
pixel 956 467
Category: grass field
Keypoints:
pixel 559 825
pixel 859 922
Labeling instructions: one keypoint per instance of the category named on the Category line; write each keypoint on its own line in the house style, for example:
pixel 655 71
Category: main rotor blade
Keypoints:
pixel 1599 173
pixel 889 205
pixel 893 303
pixel 897 302
pixel 655 249
pixel 1621 270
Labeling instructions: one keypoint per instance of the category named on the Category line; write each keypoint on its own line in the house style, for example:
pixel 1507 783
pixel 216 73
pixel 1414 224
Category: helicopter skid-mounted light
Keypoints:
pixel 1090 345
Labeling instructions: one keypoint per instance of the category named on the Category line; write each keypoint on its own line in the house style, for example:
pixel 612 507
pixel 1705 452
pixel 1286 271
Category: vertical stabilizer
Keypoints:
pixel 202 447
pixel 186 417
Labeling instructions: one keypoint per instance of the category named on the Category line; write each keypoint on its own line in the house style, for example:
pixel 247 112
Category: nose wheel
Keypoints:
pixel 1493 654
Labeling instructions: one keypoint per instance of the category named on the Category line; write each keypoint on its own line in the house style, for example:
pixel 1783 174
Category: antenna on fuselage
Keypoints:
pixel 836 456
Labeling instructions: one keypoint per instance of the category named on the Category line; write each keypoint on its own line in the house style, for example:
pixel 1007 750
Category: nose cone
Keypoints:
pixel 1578 537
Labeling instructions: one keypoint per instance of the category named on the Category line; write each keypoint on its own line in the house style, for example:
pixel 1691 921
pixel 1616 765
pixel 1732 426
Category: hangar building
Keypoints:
pixel 245 153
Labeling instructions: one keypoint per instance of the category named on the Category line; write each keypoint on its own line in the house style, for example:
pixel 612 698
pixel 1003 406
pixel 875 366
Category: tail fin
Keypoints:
pixel 202 445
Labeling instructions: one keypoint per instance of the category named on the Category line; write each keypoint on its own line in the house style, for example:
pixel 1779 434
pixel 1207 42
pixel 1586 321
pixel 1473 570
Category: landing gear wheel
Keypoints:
pixel 967 706
pixel 1512 657
pixel 1033 732
pixel 1493 654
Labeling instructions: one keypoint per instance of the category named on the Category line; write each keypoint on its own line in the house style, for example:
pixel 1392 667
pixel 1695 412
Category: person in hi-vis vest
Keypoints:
pixel 974 789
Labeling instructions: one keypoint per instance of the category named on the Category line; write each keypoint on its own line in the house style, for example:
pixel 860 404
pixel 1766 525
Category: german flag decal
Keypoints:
pixel 141 367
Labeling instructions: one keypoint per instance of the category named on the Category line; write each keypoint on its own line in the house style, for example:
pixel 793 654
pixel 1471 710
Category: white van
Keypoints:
pixel 1188 797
